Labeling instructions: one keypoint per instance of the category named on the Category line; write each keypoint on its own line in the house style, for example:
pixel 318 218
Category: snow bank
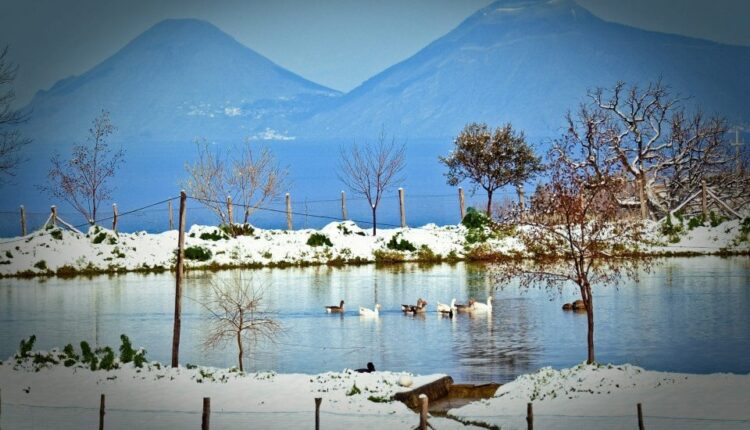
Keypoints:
pixel 159 397
pixel 101 250
pixel 595 397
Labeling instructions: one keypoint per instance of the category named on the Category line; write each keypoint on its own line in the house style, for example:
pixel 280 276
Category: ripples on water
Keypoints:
pixel 687 315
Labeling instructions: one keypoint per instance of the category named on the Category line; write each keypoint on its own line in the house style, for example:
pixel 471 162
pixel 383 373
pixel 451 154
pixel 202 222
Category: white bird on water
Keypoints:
pixel 369 312
pixel 482 307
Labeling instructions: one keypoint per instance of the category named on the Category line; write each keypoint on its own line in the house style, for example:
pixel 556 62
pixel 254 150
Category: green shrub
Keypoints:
pixel 235 230
pixel 399 244
pixel 126 350
pixel 26 345
pixel 99 238
pixel 671 230
pixel 214 235
pixel 139 358
pixel 475 219
pixel 8 254
pixel 428 255
pixel 198 253
pixel 56 234
pixel 477 235
pixel 108 360
pixel 41 265
pixel 319 239
pixel 88 356
pixel 695 222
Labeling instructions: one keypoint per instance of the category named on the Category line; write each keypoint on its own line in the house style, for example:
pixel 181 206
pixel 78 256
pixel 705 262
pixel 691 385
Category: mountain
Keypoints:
pixel 179 79
pixel 528 62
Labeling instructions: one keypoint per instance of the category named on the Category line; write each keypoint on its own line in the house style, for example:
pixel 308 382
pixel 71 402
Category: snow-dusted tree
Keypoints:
pixel 83 180
pixel 11 140
pixel 491 159
pixel 657 143
pixel 574 232
pixel 236 315
pixel 251 176
pixel 372 169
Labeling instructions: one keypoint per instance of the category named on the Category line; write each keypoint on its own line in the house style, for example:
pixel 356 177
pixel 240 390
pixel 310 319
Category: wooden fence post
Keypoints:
pixel 171 219
pixel 344 215
pixel 461 203
pixel 288 212
pixel 114 217
pixel 640 417
pixel 424 406
pixel 101 413
pixel 317 412
pixel 529 416
pixel 23 221
pixel 229 210
pixel 178 282
pixel 53 218
pixel 402 209
pixel 704 200
pixel 205 419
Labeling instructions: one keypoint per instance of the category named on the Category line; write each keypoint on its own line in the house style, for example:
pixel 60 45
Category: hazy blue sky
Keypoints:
pixel 332 42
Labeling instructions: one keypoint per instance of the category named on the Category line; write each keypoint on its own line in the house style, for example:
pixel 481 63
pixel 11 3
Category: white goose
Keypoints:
pixel 446 309
pixel 369 312
pixel 482 307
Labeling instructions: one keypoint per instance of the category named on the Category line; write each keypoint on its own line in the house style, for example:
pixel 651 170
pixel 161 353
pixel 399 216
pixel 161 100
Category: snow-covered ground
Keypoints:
pixel 100 250
pixel 159 397
pixel 605 397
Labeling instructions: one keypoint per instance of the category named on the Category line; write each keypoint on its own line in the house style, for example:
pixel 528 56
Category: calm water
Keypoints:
pixel 687 315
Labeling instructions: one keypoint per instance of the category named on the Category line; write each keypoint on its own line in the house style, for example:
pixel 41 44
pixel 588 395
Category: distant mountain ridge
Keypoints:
pixel 179 79
pixel 523 61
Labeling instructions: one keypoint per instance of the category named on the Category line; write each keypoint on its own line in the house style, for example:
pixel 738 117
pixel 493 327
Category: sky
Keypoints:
pixel 336 43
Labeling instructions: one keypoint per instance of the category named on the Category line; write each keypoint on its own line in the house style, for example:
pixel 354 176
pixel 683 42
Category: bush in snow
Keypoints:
pixel 198 253
pixel 399 244
pixel 319 239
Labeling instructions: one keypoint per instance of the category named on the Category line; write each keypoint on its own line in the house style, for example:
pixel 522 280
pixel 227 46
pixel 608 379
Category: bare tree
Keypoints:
pixel 83 180
pixel 11 140
pixel 236 316
pixel 655 141
pixel 491 159
pixel 574 232
pixel 372 169
pixel 250 176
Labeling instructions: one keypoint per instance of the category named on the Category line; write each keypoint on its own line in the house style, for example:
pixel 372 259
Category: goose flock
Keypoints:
pixel 421 307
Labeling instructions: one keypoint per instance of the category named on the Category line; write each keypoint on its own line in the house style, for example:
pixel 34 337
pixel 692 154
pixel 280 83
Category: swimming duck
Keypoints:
pixel 369 312
pixel 333 309
pixel 445 309
pixel 466 307
pixel 420 307
pixel 482 307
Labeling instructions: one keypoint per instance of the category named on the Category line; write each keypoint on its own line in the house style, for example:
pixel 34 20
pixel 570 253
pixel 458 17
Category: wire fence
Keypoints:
pixel 159 216
pixel 22 416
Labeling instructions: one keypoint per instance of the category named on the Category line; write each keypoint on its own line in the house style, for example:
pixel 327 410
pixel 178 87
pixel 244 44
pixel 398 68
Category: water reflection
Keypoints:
pixel 684 315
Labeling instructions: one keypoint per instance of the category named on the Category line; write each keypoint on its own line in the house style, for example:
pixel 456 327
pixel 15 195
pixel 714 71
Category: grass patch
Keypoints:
pixel 400 244
pixel 41 265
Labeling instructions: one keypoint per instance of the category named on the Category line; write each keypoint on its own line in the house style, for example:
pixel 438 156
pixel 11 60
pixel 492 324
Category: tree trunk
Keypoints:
pixel 374 220
pixel 239 347
pixel 589 302
pixel 641 182
pixel 489 203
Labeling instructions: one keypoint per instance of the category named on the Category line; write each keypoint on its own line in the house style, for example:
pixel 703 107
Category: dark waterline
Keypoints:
pixel 687 315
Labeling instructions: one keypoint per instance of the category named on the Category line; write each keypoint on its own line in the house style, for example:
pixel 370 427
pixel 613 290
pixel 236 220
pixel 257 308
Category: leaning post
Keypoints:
pixel 461 203
pixel 402 209
pixel 288 212
pixel 23 221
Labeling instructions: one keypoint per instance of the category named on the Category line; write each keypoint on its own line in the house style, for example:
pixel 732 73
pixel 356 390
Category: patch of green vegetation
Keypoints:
pixel 672 229
pixel 198 253
pixel 99 238
pixel 715 219
pixel 695 222
pixel 385 256
pixel 425 254
pixel 41 265
pixel 24 348
pixel 475 219
pixel 56 234
pixel 235 230
pixel 319 239
pixel 214 235
pixel 380 399
pixel 399 244
pixel 354 390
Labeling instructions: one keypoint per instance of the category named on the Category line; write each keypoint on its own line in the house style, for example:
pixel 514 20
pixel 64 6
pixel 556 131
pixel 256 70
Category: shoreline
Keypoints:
pixel 64 254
